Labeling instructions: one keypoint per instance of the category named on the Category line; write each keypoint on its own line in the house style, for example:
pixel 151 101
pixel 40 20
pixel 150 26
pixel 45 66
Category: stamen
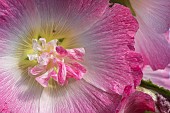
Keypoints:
pixel 55 62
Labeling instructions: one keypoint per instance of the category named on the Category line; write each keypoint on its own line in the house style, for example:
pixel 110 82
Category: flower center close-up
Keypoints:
pixel 55 62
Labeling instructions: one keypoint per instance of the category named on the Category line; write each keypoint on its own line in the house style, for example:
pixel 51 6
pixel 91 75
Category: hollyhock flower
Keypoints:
pixel 65 56
pixel 154 20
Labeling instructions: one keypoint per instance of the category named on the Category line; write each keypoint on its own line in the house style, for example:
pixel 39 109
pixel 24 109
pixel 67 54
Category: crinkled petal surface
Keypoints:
pixel 106 34
pixel 107 60
pixel 137 102
pixel 160 77
pixel 153 17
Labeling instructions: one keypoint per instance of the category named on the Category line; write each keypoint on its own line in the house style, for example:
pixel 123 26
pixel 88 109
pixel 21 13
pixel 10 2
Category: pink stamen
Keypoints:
pixel 61 51
pixel 56 62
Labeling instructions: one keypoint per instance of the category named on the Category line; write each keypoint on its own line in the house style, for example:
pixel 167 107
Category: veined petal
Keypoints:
pixel 71 13
pixel 107 45
pixel 78 97
pixel 154 13
pixel 18 94
pixel 59 14
pixel 154 20
pixel 153 47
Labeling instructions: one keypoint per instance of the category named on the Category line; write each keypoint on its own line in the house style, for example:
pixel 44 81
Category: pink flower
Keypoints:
pixel 154 20
pixel 65 56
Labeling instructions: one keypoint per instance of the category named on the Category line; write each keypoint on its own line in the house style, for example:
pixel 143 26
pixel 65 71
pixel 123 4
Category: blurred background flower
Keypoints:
pixel 154 20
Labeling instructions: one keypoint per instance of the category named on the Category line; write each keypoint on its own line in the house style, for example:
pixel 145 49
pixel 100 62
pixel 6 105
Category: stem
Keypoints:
pixel 149 85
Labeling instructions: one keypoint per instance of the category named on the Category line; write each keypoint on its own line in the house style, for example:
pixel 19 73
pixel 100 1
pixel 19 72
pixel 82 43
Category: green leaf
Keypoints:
pixel 149 85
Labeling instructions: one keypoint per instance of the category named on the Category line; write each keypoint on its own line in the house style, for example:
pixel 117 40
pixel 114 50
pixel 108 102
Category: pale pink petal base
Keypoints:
pixel 18 94
pixel 78 97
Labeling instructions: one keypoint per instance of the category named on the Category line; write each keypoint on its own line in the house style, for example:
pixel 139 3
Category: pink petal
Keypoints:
pixel 138 102
pixel 160 77
pixel 13 23
pixel 154 20
pixel 153 47
pixel 62 13
pixel 85 12
pixel 18 94
pixel 78 97
pixel 155 13
pixel 135 62
pixel 107 45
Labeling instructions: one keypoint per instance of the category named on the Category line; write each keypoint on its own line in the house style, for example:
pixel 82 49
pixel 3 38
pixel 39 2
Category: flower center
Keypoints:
pixel 53 61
